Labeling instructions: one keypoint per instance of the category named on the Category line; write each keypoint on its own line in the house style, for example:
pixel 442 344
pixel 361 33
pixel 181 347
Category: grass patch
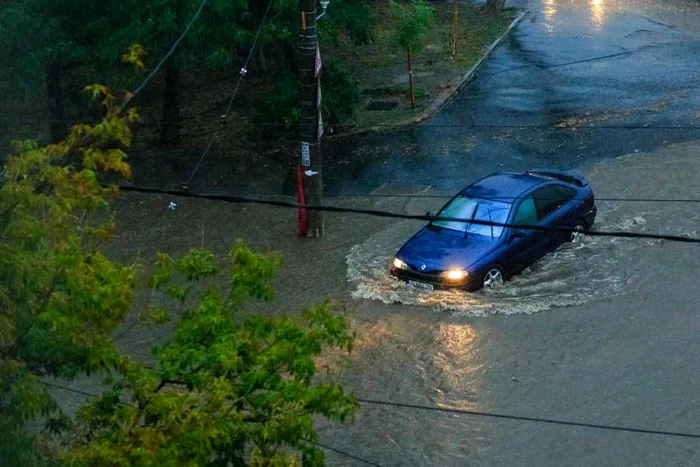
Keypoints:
pixel 380 69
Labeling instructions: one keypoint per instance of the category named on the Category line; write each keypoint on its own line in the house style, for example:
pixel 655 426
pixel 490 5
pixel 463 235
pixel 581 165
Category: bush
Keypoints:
pixel 350 16
pixel 340 94
pixel 278 112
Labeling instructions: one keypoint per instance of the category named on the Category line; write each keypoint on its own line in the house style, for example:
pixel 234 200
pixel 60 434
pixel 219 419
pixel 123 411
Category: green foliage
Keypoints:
pixel 341 95
pixel 60 297
pixel 226 390
pixel 278 111
pixel 412 21
pixel 350 18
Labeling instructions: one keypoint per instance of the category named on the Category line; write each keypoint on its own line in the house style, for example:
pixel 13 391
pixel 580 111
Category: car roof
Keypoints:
pixel 504 184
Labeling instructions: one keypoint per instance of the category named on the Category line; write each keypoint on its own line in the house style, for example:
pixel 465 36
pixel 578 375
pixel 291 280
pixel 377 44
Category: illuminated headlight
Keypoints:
pixel 398 264
pixel 454 274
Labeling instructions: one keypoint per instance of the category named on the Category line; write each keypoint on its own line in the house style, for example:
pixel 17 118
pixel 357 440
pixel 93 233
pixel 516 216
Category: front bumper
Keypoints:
pixel 432 278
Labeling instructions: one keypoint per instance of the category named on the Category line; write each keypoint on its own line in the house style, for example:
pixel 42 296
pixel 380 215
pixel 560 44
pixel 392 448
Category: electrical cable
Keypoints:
pixel 82 393
pixel 148 78
pixel 224 117
pixel 342 453
pixel 436 125
pixel 377 213
pixel 598 426
pixel 493 198
pixel 324 446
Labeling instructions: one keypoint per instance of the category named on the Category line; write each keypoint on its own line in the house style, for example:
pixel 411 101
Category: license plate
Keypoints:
pixel 420 285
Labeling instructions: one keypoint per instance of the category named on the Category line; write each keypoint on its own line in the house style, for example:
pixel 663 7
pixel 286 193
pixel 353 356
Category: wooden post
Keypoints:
pixel 310 130
pixel 455 27
pixel 410 78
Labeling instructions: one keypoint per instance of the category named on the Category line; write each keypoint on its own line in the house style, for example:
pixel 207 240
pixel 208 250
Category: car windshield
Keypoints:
pixel 477 209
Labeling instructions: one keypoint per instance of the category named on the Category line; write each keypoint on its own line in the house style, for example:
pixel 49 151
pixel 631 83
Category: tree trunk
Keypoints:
pixel 455 27
pixel 495 5
pixel 57 110
pixel 410 77
pixel 263 60
pixel 172 118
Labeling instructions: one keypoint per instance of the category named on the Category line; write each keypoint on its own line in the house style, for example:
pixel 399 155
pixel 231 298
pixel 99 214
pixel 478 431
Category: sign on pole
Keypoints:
pixel 305 154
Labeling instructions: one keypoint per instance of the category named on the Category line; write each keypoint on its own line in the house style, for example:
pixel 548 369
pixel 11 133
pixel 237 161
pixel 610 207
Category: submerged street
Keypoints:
pixel 601 332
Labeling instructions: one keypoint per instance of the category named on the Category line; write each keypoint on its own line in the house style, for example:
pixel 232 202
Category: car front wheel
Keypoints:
pixel 493 278
pixel 576 234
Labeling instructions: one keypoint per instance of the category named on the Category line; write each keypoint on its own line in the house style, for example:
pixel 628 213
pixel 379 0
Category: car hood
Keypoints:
pixel 438 250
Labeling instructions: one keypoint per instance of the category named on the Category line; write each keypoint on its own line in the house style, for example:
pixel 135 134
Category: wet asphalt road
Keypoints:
pixel 578 84
pixel 577 81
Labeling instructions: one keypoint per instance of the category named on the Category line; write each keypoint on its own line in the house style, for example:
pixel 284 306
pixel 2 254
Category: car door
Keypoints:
pixel 522 243
pixel 553 210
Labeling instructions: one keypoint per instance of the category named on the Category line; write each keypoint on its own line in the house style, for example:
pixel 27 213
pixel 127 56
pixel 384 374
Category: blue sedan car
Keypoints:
pixel 450 254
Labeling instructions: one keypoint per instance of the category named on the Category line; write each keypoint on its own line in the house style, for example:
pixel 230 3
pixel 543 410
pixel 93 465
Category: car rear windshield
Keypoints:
pixel 478 209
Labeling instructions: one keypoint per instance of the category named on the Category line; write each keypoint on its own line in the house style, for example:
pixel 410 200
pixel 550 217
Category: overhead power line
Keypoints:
pixel 493 198
pixel 321 445
pixel 162 60
pixel 389 126
pixel 372 212
pixel 224 117
pixel 343 453
pixel 598 426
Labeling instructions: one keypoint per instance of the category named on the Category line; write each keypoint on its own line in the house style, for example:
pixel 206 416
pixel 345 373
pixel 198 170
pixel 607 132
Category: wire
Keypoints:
pixel 533 419
pixel 598 426
pixel 390 126
pixel 224 117
pixel 82 393
pixel 162 60
pixel 324 446
pixel 496 198
pixel 372 212
pixel 343 453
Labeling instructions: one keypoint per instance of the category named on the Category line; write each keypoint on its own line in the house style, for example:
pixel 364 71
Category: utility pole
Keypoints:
pixel 311 126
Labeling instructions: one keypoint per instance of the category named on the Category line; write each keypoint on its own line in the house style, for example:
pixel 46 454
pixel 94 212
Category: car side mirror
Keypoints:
pixel 428 214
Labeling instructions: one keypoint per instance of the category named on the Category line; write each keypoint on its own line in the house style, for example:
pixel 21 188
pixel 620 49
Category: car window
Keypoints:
pixel 551 197
pixel 459 208
pixel 473 208
pixel 527 212
pixel 566 194
pixel 491 211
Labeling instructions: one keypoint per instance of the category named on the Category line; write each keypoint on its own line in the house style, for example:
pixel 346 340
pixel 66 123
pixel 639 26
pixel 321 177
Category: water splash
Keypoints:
pixel 571 275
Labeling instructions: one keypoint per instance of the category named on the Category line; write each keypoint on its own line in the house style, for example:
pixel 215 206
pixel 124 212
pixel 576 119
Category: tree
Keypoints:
pixel 60 298
pixel 226 388
pixel 412 21
pixel 495 5
pixel 45 38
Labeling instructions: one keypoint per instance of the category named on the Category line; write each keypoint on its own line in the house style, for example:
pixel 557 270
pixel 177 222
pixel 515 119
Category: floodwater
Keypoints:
pixel 589 334
pixel 601 332
pixel 574 274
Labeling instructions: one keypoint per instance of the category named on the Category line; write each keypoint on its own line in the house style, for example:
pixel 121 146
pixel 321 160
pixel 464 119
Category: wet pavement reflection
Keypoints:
pixel 594 331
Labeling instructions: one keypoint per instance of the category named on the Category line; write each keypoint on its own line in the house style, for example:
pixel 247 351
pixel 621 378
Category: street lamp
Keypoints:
pixel 324 5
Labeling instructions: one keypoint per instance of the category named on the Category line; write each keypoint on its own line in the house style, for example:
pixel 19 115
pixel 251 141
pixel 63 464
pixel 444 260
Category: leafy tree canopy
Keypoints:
pixel 227 388
pixel 412 21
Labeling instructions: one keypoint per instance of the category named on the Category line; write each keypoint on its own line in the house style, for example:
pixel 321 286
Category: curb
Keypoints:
pixel 452 88
pixel 455 85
